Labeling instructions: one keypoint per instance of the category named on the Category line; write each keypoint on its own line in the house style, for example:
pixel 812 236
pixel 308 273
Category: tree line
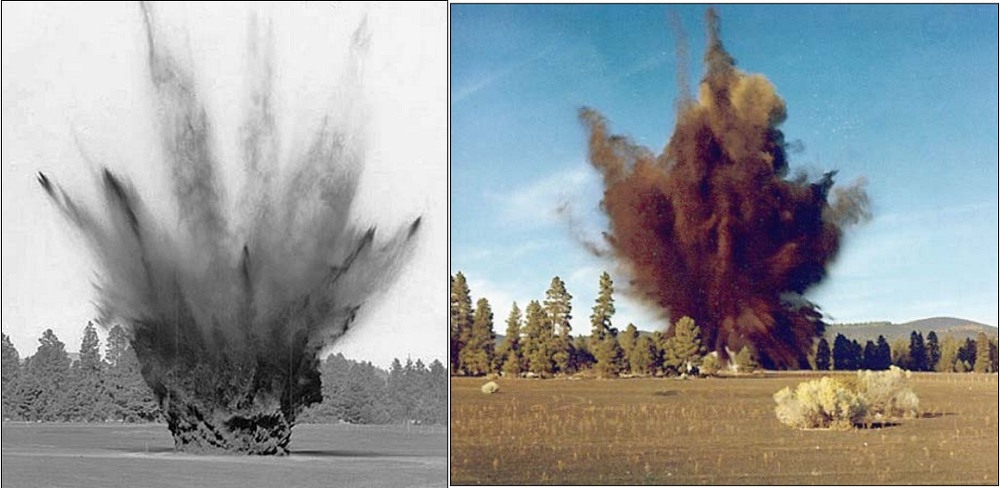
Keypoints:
pixel 917 354
pixel 538 342
pixel 48 386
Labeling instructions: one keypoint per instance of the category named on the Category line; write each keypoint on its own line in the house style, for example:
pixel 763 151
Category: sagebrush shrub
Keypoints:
pixel 888 393
pixel 490 387
pixel 822 403
pixel 844 402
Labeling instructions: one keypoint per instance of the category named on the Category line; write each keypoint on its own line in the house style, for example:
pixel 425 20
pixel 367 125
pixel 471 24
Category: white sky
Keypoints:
pixel 75 87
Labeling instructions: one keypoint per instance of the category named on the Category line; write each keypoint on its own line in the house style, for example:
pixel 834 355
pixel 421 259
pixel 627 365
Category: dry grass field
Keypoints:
pixel 712 431
pixel 116 455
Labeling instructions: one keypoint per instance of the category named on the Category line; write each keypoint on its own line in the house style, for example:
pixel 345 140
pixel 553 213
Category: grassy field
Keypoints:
pixel 115 455
pixel 712 431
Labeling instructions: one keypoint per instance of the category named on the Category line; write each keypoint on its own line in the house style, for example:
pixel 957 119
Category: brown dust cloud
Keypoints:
pixel 714 227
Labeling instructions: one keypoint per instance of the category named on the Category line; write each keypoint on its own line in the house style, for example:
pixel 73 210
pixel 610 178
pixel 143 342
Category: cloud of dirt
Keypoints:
pixel 228 313
pixel 711 228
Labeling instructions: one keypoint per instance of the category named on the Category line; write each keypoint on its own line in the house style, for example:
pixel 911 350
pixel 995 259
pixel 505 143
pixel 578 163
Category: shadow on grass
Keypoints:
pixel 344 453
pixel 934 415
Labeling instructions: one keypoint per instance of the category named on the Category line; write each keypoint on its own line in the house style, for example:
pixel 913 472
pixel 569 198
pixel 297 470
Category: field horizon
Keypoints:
pixel 712 431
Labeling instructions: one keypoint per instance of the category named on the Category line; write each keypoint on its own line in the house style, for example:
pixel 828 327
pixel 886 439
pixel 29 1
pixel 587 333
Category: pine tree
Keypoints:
pixel 918 353
pixel 967 355
pixel 857 354
pixel 510 349
pixel 983 363
pixel 603 338
pixel 559 308
pixel 823 355
pixel 131 398
pixel 11 368
pixel 583 357
pixel 842 353
pixel 933 351
pixel 610 356
pixel 642 357
pixel 684 350
pixel 461 318
pixel 538 340
pixel 89 397
pixel 604 309
pixel 870 356
pixel 42 391
pixel 628 339
pixel 883 354
pixel 476 356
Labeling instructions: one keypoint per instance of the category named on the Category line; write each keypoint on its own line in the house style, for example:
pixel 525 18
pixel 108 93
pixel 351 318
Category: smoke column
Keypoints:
pixel 713 229
pixel 228 313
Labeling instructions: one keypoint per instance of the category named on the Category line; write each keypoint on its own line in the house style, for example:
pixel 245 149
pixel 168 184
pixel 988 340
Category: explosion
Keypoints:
pixel 228 313
pixel 712 228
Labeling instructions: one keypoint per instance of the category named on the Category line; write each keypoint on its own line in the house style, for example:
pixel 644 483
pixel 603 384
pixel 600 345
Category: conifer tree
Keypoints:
pixel 842 353
pixel 883 354
pixel 933 351
pixel 461 319
pixel 604 309
pixel 559 308
pixel 476 356
pixel 870 356
pixel 42 389
pixel 642 358
pixel 510 349
pixel 628 338
pixel 684 350
pixel 918 353
pixel 131 398
pixel 823 355
pixel 610 356
pixel 538 340
pixel 88 394
pixel 10 371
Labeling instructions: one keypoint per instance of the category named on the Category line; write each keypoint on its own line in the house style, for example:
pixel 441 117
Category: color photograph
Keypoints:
pixel 729 244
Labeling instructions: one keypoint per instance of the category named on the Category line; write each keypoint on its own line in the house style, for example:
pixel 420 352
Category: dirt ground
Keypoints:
pixel 712 431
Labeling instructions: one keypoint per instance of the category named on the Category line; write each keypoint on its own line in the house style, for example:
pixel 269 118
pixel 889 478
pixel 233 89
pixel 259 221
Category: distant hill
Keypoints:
pixel 942 326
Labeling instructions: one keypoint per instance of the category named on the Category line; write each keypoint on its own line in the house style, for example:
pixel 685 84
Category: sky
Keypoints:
pixel 903 96
pixel 77 97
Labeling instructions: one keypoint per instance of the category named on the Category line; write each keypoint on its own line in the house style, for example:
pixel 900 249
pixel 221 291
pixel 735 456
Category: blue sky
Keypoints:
pixel 902 95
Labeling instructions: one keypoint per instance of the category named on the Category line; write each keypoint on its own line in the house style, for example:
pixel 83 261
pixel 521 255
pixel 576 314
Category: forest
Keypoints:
pixel 50 386
pixel 539 342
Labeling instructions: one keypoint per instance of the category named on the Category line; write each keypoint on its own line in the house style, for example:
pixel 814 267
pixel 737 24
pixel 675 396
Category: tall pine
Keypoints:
pixel 933 351
pixel 11 370
pixel 559 309
pixel 508 357
pixel 476 356
pixel 823 355
pixel 918 353
pixel 88 392
pixel 538 340
pixel 461 319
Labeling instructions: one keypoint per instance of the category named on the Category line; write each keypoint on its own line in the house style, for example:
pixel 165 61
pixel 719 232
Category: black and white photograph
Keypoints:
pixel 224 244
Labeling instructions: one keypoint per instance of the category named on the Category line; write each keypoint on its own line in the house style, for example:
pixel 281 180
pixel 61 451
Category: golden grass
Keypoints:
pixel 712 431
